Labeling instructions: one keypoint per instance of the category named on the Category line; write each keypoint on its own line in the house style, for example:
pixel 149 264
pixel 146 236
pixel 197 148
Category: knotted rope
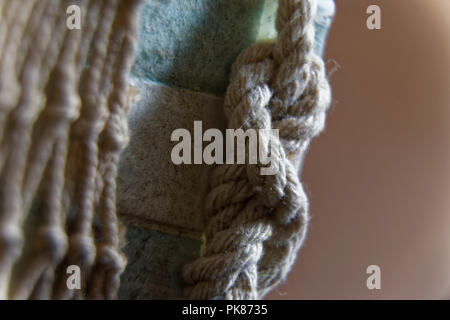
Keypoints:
pixel 62 127
pixel 256 224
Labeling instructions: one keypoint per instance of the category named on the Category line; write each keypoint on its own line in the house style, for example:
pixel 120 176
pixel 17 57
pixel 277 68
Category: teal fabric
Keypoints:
pixel 191 44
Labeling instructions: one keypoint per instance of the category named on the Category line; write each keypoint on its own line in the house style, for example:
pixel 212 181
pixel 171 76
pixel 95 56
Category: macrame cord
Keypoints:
pixel 63 124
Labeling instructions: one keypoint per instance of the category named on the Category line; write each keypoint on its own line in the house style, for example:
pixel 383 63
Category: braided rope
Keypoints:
pixel 256 224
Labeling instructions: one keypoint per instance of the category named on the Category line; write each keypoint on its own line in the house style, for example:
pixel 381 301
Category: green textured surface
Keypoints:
pixel 155 260
pixel 267 24
pixel 192 43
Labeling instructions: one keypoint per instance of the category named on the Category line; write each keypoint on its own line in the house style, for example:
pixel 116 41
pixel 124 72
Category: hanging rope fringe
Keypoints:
pixel 256 224
pixel 63 125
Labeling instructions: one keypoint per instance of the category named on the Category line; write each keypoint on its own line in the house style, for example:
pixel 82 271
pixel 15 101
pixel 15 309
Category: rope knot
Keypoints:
pixel 111 258
pixel 115 135
pixel 53 241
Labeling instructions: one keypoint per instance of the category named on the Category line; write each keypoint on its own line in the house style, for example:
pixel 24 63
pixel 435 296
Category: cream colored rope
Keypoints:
pixel 62 127
pixel 256 223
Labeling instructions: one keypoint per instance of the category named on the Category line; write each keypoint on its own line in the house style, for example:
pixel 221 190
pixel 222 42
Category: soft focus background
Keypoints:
pixel 378 178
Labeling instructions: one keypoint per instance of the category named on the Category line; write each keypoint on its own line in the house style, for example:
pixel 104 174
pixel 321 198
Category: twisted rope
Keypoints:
pixel 256 224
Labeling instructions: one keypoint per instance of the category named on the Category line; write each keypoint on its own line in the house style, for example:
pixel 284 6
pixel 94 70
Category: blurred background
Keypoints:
pixel 378 178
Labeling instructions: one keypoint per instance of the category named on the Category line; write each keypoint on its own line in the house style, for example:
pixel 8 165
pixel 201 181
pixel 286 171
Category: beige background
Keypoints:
pixel 379 177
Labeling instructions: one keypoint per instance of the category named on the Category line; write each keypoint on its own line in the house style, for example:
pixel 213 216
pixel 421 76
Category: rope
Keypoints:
pixel 63 114
pixel 256 224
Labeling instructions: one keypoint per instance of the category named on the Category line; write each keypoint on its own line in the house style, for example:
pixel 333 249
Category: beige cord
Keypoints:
pixel 63 114
pixel 256 224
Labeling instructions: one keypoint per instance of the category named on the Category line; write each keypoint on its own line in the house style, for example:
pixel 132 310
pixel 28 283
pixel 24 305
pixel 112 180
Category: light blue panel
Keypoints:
pixel 191 44
pixel 324 17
